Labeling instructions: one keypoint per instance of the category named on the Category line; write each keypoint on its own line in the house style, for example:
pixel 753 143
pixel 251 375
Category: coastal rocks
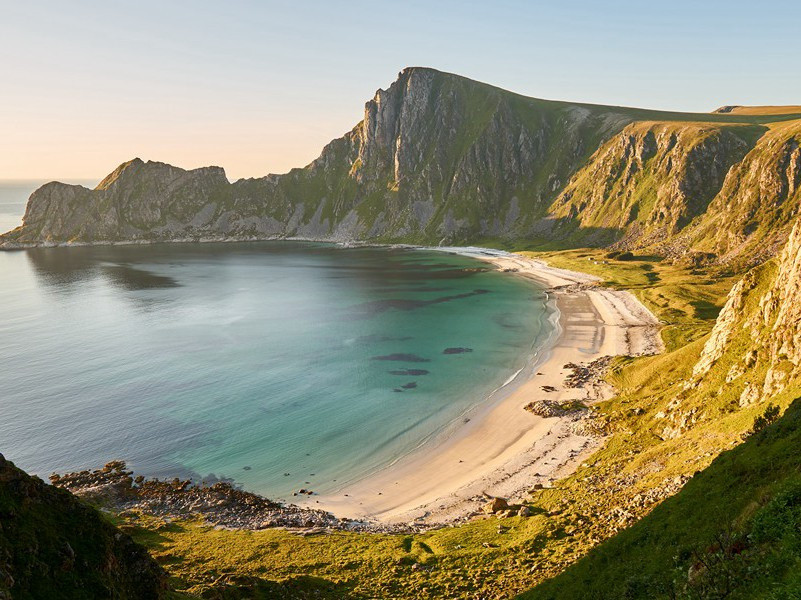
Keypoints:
pixel 588 374
pixel 220 504
pixel 552 408
pixel 495 505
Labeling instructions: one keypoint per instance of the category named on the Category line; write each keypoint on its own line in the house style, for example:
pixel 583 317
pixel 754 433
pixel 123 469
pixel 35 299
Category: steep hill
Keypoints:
pixel 440 158
pixel 733 530
pixel 53 546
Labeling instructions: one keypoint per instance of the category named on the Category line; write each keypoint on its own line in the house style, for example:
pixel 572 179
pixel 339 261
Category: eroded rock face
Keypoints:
pixel 769 321
pixel 756 207
pixel 652 179
pixel 779 319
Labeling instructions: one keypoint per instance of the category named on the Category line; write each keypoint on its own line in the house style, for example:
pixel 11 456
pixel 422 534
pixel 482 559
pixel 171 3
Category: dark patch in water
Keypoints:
pixel 409 386
pixel 412 372
pixel 506 320
pixel 402 357
pixel 131 278
pixel 376 338
pixel 456 350
pixel 397 390
pixel 246 468
pixel 379 306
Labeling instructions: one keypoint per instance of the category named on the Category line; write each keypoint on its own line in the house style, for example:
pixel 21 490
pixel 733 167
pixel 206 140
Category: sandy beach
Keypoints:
pixel 504 450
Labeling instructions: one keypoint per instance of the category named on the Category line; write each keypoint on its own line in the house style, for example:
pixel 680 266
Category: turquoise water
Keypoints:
pixel 249 361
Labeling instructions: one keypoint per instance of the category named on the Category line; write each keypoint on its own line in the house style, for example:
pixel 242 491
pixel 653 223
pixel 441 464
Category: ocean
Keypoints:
pixel 274 365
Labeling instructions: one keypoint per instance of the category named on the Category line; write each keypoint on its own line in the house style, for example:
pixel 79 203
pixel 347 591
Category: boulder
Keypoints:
pixel 496 505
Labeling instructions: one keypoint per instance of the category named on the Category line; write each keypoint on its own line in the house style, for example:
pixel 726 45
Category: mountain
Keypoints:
pixel 54 546
pixel 439 158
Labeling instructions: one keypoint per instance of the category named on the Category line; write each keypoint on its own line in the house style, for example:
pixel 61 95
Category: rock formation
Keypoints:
pixel 442 159
pixel 757 336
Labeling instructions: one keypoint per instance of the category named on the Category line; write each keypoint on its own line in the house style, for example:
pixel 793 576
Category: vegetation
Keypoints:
pixel 716 192
pixel 734 531
pixel 53 546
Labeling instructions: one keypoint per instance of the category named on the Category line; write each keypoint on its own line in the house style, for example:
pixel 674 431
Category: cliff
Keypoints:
pixel 53 546
pixel 756 340
pixel 442 159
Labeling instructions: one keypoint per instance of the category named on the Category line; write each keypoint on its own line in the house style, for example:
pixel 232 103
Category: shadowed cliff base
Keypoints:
pixel 54 546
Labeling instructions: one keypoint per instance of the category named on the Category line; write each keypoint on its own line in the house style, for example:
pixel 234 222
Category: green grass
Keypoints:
pixel 734 531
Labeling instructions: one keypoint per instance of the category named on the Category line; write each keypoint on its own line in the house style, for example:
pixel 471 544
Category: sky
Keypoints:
pixel 261 87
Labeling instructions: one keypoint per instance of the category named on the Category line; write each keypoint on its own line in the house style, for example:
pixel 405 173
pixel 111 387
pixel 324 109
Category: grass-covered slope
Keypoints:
pixel 53 546
pixel 733 531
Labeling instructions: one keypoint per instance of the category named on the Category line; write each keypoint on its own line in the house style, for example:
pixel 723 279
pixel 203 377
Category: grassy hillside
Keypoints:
pixel 53 546
pixel 734 531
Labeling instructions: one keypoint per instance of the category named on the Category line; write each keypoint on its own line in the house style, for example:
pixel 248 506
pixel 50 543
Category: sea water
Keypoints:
pixel 276 365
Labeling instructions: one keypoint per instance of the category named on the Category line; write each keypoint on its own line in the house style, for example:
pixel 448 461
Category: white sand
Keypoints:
pixel 504 450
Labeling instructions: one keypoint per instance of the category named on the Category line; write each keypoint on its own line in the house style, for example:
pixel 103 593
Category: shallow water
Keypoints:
pixel 250 361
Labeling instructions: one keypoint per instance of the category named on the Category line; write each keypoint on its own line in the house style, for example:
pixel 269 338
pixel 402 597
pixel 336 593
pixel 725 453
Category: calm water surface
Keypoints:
pixel 250 361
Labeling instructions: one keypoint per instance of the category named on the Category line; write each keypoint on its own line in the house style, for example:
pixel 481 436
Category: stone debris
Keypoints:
pixel 221 504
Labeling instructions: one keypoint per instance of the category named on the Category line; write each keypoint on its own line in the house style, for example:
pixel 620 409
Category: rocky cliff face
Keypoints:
pixel 761 196
pixel 53 546
pixel 440 158
pixel 652 179
pixel 756 341
pixel 437 157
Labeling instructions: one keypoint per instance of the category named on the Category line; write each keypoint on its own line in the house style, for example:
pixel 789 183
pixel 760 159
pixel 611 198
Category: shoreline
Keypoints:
pixel 504 450
pixel 520 437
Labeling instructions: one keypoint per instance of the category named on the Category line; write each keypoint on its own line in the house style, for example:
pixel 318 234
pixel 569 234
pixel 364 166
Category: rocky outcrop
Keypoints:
pixel 651 180
pixel 751 217
pixel 219 504
pixel 757 336
pixel 54 546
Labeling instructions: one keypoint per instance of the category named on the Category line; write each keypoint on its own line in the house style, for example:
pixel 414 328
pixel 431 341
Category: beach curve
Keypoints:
pixel 503 450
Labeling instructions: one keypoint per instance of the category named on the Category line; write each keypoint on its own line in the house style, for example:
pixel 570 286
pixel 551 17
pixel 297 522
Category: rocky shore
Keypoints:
pixel 221 504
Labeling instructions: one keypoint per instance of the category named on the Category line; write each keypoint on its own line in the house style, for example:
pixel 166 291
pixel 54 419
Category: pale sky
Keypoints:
pixel 261 87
